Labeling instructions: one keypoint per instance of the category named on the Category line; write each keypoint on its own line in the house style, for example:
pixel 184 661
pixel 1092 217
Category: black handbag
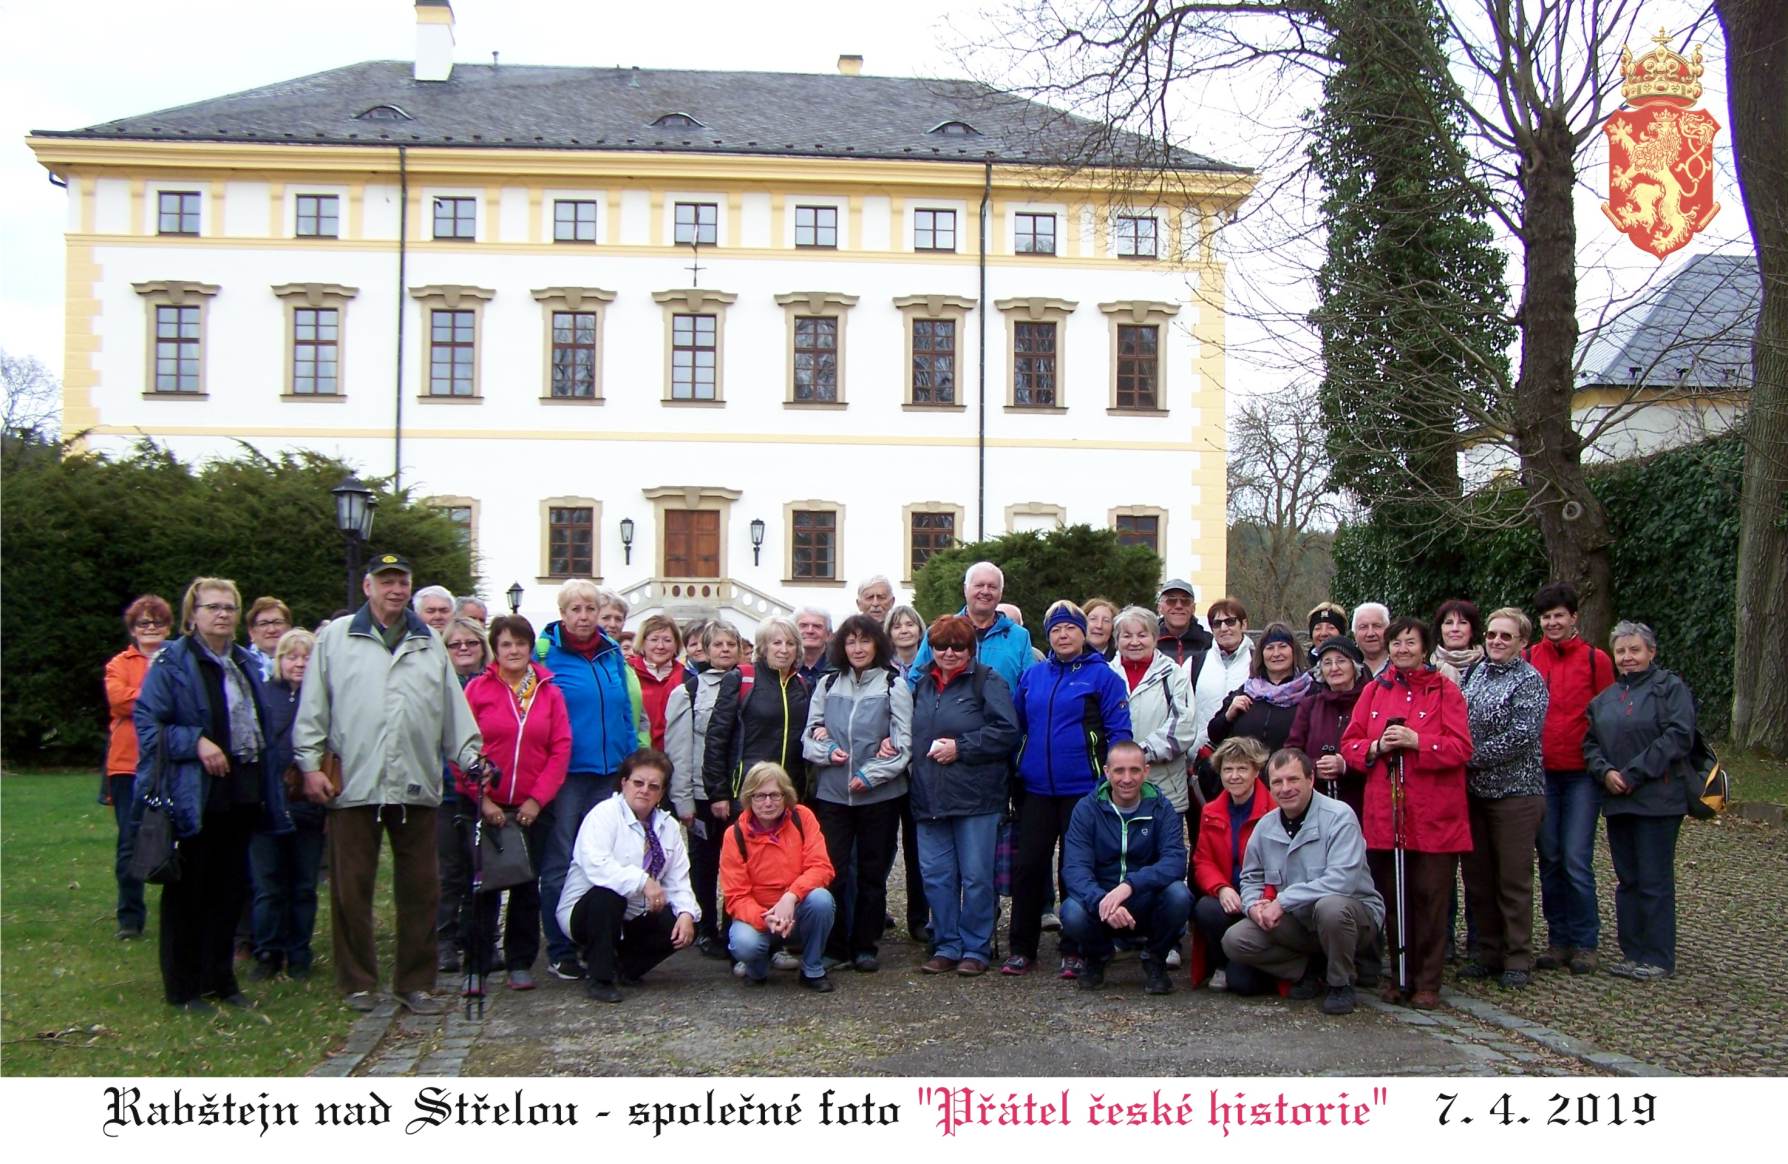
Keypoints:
pixel 502 857
pixel 155 850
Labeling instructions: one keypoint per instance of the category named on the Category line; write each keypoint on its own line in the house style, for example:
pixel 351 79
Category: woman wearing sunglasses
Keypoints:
pixel 147 622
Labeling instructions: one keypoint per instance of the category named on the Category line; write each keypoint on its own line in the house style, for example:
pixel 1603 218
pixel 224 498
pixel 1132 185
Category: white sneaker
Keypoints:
pixel 1051 922
pixel 1220 981
pixel 1173 959
pixel 783 960
pixel 738 969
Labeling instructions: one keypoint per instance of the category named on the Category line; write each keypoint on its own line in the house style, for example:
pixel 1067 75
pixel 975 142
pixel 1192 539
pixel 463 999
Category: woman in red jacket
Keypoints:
pixel 659 670
pixel 1224 827
pixel 1432 739
pixel 527 735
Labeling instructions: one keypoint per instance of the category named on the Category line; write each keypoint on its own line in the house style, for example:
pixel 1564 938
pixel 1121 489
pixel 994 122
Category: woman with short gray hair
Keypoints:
pixel 1641 731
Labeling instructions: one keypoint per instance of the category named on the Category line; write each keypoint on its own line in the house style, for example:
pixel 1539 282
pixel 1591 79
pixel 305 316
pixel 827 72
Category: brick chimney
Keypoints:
pixel 434 40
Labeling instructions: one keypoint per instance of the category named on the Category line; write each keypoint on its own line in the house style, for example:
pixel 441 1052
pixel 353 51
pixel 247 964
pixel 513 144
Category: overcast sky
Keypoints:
pixel 73 65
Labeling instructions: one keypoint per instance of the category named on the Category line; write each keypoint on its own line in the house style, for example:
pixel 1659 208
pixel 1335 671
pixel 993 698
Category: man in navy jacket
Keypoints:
pixel 1124 862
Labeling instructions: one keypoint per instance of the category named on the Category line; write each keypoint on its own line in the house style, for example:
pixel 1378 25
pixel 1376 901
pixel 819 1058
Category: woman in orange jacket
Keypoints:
pixel 773 876
pixel 147 622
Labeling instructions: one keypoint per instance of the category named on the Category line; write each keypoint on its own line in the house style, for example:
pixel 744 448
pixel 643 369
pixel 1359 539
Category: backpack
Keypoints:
pixel 1709 784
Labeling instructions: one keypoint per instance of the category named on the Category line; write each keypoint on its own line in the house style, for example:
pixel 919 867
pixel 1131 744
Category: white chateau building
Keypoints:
pixel 629 324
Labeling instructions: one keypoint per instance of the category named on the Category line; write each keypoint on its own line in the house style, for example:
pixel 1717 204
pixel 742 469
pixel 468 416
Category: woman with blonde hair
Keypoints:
pixel 285 865
pixel 774 870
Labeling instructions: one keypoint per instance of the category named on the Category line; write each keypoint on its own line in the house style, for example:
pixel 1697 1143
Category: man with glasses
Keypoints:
pixel 268 621
pixel 382 690
pixel 1182 636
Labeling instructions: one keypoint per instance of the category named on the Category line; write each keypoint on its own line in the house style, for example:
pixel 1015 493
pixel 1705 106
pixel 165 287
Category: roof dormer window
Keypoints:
pixel 383 113
pixel 954 129
pixel 678 121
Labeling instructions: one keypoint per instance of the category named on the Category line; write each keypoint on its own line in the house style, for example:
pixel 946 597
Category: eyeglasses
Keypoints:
pixel 270 623
pixel 218 607
pixel 937 650
pixel 765 797
pixel 1223 622
pixel 464 645
pixel 1175 600
pixel 150 623
pixel 1499 636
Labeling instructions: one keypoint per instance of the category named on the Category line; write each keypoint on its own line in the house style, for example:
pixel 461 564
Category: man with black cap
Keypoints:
pixel 382 691
pixel 1182 635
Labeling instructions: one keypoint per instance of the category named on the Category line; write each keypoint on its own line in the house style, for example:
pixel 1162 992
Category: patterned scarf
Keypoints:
pixel 654 849
pixel 1286 694
pixel 245 727
pixel 524 692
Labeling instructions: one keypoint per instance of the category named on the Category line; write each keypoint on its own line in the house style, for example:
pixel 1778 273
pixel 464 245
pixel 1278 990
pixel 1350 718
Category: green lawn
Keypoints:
pixel 76 1001
pixel 1755 778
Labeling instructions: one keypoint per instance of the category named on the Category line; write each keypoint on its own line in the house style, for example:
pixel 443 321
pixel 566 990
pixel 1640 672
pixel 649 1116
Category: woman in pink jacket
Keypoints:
pixel 527 735
pixel 1433 742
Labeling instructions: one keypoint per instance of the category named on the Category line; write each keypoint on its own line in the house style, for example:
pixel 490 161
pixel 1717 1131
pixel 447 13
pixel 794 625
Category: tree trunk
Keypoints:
pixel 1757 95
pixel 1572 521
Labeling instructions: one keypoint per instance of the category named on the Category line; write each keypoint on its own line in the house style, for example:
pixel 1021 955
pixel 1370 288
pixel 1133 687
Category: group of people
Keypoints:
pixel 1299 808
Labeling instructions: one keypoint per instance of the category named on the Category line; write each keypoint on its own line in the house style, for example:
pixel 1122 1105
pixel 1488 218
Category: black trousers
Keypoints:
pixel 1042 821
pixel 454 865
pixel 199 911
pixel 613 943
pixel 918 910
pixel 521 925
pixel 704 867
pixel 874 829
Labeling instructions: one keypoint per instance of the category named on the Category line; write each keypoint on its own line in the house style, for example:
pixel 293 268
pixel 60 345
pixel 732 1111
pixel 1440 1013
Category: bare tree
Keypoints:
pixel 1281 512
pixel 30 397
pixel 1757 90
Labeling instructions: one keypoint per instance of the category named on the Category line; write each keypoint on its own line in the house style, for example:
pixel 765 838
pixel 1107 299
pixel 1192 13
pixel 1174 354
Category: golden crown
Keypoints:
pixel 1661 74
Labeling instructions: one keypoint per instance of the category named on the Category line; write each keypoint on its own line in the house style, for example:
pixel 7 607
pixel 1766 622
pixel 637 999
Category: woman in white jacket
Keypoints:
pixel 1160 706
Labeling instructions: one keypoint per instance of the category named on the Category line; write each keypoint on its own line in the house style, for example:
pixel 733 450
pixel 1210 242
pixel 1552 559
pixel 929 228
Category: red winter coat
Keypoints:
pixel 1434 773
pixel 1211 866
pixel 1575 673
pixel 531 754
pixel 655 693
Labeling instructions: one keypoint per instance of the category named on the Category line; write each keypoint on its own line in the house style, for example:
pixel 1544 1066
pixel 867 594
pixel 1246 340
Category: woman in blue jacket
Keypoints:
pixel 1071 708
pixel 208 746
pixel 964 732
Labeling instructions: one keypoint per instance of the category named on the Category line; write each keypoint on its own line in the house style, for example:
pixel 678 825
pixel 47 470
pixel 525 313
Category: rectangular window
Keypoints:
pixel 451 352
pixel 176 349
pixel 931 534
pixel 816 226
pixel 319 216
pixel 1138 366
pixel 698 222
pixel 1136 237
pixel 316 340
pixel 934 230
pixel 1033 365
pixel 1139 530
pixel 692 357
pixel 569 549
pixel 574 221
pixel 816 358
pixel 461 517
pixel 691 543
pixel 815 545
pixel 934 361
pixel 456 218
pixel 178 212
pixel 1036 234
pixel 574 355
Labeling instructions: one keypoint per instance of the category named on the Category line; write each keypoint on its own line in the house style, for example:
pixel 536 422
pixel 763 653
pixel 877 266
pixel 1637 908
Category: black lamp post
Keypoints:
pixel 515 597
pixel 757 541
pixel 627 539
pixel 354 506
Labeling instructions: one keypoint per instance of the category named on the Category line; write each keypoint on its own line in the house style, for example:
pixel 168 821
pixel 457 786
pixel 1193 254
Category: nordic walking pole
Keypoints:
pixel 1399 841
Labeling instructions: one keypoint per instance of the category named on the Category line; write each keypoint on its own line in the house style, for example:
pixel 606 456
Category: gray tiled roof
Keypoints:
pixel 1695 330
pixel 540 107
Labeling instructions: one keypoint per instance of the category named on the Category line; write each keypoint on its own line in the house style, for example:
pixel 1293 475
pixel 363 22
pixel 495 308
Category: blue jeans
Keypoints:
pixel 956 865
pixel 813 925
pixel 1160 918
pixel 1566 844
pixel 133 912
pixel 285 895
pixel 1644 852
pixel 581 792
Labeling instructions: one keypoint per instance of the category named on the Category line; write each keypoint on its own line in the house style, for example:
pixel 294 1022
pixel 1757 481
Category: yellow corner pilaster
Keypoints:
pixel 80 341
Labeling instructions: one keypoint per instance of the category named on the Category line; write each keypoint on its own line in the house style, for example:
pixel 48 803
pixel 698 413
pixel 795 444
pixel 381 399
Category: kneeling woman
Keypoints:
pixel 773 876
pixel 1223 833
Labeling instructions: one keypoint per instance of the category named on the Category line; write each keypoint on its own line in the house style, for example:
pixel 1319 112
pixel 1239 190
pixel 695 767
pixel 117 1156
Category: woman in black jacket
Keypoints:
pixel 759 714
pixel 964 732
pixel 1641 730
pixel 1265 706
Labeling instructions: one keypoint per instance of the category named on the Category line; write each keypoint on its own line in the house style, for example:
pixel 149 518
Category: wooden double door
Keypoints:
pixel 691 543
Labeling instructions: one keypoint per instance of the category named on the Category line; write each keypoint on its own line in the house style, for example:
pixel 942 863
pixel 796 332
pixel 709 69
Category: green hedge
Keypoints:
pixel 85 534
pixel 1077 562
pixel 1675 521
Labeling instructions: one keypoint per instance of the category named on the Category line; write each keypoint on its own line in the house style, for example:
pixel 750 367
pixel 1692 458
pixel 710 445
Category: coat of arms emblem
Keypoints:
pixel 1660 151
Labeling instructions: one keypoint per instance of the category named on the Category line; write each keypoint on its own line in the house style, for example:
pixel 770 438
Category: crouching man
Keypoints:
pixel 1325 912
pixel 627 901
pixel 1124 863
